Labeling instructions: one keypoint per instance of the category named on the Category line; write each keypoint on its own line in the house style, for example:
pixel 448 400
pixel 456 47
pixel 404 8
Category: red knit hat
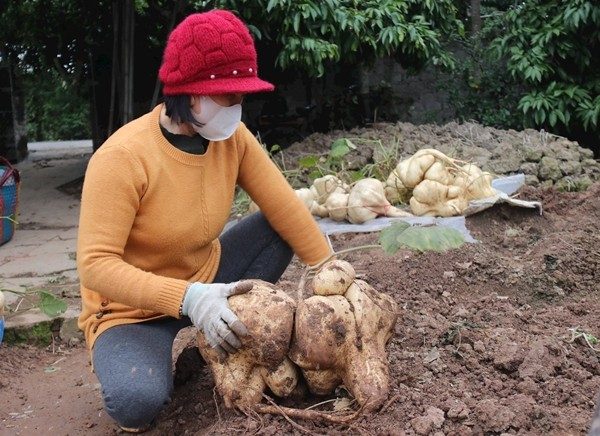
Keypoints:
pixel 211 53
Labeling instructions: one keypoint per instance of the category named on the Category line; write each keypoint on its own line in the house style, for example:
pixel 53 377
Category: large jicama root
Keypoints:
pixel 333 278
pixel 337 206
pixel 304 194
pixel 342 338
pixel 339 337
pixel 242 377
pixel 431 198
pixel 361 202
pixel 323 187
pixel 329 197
pixel 413 170
pixel 367 200
pixel 475 183
pixel 441 186
pixel 395 191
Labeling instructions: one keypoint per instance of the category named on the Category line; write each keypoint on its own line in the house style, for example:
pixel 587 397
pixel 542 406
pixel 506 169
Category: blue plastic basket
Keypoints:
pixel 10 186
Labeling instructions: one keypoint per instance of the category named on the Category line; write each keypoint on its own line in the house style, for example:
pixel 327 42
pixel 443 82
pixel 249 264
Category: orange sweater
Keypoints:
pixel 151 215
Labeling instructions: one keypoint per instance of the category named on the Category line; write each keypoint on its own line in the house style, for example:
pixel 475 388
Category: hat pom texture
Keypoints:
pixel 211 53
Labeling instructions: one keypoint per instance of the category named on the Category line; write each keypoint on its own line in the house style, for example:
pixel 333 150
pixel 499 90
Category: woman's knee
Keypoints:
pixel 136 404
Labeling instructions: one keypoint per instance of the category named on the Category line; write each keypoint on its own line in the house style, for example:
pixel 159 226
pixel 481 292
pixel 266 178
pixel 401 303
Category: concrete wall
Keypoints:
pixel 395 95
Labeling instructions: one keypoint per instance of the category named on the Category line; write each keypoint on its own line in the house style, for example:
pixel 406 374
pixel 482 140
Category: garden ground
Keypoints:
pixel 496 337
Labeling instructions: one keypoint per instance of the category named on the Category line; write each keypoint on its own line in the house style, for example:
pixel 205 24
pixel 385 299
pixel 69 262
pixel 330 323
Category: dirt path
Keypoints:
pixel 49 392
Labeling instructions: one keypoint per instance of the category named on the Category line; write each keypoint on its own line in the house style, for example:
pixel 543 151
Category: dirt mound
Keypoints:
pixel 546 160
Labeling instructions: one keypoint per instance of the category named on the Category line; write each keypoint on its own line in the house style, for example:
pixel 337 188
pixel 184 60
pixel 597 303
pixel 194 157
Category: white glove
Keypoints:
pixel 207 307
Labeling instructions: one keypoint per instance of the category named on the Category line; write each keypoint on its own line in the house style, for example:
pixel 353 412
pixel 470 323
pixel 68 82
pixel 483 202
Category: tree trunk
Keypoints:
pixel 177 9
pixel 121 90
pixel 363 94
pixel 475 16
pixel 17 93
pixel 475 30
pixel 128 60
pixel 97 138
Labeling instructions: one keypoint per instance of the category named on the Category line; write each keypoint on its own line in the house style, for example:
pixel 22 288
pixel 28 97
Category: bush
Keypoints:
pixel 481 87
pixel 54 110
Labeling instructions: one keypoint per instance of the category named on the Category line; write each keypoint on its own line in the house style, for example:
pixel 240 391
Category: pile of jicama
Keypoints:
pixel 432 183
pixel 437 185
pixel 329 197
pixel 335 337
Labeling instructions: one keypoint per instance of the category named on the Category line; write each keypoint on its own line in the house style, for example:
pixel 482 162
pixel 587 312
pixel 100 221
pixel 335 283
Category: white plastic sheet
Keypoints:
pixel 505 187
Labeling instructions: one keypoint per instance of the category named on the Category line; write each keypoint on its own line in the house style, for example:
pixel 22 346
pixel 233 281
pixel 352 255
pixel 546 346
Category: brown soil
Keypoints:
pixel 484 344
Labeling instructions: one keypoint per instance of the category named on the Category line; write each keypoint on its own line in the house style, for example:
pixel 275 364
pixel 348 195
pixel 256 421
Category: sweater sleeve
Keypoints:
pixel 114 184
pixel 267 186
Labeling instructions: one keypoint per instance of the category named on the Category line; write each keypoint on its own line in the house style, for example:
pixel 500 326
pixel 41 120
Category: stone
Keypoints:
pixel 549 169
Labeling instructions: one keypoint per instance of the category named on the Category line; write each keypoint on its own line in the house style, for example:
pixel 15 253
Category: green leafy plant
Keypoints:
pixel 401 234
pixel 335 162
pixel 553 49
pixel 481 88
pixel 47 302
pixel 47 94
pixel 332 163
pixel 313 34
pixel 240 203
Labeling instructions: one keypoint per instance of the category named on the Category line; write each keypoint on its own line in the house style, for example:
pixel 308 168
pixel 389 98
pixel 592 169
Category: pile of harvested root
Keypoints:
pixel 336 337
pixel 437 185
pixel 432 183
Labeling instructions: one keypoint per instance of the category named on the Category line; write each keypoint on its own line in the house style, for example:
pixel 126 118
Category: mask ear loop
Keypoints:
pixel 195 121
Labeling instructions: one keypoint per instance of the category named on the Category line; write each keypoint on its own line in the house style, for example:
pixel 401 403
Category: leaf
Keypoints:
pixel 432 238
pixel 419 238
pixel 390 236
pixel 309 162
pixel 51 305
pixel 341 147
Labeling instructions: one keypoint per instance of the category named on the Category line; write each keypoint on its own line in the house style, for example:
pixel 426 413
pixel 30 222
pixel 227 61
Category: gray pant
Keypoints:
pixel 133 363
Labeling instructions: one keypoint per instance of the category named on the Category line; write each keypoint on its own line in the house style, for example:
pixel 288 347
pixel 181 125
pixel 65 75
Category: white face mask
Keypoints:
pixel 219 121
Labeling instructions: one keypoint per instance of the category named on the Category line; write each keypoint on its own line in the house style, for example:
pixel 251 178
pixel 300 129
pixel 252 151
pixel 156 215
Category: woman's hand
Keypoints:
pixel 207 307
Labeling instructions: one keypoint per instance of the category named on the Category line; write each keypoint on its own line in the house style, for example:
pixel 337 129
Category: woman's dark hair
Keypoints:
pixel 178 109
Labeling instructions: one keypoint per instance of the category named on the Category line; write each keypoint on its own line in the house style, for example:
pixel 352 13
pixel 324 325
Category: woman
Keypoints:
pixel 157 195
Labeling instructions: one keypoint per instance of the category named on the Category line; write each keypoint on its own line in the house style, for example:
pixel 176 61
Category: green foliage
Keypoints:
pixel 54 109
pixel 341 147
pixel 41 34
pixel 553 49
pixel 481 88
pixel 311 34
pixel 402 235
pixel 39 335
pixel 51 305
pixel 332 163
pixel 46 301
pixel 336 162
